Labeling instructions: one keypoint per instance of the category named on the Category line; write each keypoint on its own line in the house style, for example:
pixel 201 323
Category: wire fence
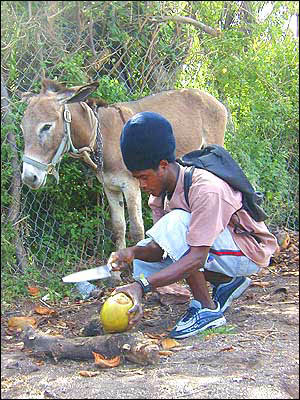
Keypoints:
pixel 72 42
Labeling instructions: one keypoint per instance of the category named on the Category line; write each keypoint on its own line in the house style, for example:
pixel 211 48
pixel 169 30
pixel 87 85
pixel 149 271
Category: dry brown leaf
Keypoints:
pixel 155 335
pixel 34 291
pixel 175 349
pixel 260 284
pixel 210 336
pixel 148 313
pixel 39 362
pixel 228 348
pixel 293 273
pixel 168 343
pixel 44 310
pixel 293 249
pixel 19 323
pixel 154 341
pixel 88 374
pixel 61 324
pixel 165 353
pixel 102 362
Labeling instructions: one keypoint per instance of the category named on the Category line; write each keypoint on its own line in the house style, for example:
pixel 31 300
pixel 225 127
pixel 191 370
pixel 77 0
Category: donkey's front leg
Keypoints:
pixel 133 198
pixel 116 204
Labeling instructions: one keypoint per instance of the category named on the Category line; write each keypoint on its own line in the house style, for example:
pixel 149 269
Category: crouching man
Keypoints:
pixel 199 242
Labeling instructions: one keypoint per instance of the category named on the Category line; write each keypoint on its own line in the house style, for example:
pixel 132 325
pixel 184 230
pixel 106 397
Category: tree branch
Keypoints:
pixel 187 20
pixel 91 38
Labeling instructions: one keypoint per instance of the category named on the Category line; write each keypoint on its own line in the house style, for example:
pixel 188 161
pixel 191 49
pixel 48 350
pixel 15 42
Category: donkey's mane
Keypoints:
pixel 96 102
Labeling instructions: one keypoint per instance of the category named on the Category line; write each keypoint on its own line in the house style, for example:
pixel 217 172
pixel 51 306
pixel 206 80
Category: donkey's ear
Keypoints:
pixel 26 97
pixel 50 86
pixel 76 94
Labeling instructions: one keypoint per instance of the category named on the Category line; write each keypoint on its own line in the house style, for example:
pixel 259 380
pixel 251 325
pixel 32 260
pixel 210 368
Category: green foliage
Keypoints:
pixel 8 150
pixel 8 248
pixel 80 219
pixel 268 171
pixel 71 68
pixel 112 90
pixel 16 285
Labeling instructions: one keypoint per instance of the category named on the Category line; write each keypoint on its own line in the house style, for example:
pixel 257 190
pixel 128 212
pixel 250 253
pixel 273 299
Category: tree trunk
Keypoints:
pixel 15 188
pixel 228 15
pixel 247 17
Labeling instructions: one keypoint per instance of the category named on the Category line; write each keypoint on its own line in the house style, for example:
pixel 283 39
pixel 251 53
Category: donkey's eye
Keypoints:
pixel 45 128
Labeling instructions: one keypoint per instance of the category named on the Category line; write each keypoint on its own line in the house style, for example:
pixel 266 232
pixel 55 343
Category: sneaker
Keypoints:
pixel 225 293
pixel 196 320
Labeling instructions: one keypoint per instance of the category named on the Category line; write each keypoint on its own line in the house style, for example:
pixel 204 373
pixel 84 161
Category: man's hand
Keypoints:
pixel 120 259
pixel 135 292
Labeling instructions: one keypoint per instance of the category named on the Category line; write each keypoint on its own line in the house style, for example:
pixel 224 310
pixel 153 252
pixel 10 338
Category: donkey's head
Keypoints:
pixel 44 127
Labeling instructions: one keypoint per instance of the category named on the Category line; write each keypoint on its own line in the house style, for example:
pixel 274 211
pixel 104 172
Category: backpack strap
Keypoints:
pixel 163 196
pixel 239 229
pixel 242 231
pixel 187 183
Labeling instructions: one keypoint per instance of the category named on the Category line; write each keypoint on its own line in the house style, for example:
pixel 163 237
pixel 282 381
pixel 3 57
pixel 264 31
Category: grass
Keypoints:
pixel 221 330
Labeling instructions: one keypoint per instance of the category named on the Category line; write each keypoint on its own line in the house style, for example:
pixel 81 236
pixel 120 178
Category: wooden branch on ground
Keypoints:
pixel 188 20
pixel 133 346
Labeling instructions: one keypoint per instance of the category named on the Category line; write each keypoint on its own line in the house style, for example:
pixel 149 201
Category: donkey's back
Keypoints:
pixel 197 117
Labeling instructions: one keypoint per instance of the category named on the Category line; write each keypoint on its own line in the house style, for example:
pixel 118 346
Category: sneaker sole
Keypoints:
pixel 236 294
pixel 213 324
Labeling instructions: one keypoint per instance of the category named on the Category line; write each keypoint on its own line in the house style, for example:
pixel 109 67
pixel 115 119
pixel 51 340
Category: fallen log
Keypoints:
pixel 132 346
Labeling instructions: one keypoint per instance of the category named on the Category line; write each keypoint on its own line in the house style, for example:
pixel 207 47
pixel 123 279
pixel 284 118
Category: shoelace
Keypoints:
pixel 190 312
pixel 214 291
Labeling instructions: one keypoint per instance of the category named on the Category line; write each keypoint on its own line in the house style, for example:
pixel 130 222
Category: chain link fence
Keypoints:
pixel 131 54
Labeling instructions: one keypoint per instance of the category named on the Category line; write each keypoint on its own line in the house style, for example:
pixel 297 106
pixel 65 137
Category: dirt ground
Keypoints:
pixel 257 357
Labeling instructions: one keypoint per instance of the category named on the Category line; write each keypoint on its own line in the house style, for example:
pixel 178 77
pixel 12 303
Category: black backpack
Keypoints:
pixel 216 159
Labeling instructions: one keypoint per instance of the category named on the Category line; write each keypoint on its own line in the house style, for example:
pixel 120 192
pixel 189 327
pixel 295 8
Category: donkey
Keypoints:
pixel 58 120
